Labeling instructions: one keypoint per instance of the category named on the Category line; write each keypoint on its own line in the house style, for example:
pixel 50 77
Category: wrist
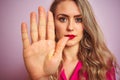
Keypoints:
pixel 42 78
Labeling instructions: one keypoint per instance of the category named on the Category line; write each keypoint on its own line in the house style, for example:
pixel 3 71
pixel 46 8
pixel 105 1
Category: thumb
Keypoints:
pixel 60 46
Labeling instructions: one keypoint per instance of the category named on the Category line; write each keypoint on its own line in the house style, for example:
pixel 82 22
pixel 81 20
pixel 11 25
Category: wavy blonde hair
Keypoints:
pixel 94 54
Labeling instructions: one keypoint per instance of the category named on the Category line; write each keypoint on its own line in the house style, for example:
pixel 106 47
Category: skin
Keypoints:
pixel 43 51
pixel 43 55
pixel 68 21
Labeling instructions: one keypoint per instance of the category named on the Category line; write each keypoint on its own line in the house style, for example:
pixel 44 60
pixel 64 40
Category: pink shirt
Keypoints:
pixel 75 75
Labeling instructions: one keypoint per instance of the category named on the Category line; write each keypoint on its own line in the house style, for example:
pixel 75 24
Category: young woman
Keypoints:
pixel 67 45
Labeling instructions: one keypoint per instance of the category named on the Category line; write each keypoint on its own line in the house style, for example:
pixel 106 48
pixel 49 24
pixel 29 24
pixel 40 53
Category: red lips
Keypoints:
pixel 71 36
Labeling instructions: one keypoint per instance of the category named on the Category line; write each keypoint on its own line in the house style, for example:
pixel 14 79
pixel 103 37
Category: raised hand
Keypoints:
pixel 42 55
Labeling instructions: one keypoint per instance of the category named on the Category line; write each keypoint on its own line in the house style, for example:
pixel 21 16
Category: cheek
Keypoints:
pixel 59 31
pixel 80 30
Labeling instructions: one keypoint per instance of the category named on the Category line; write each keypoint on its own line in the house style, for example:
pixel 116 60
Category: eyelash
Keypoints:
pixel 63 19
pixel 78 20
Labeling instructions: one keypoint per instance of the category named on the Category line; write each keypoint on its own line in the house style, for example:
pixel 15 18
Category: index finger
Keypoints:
pixel 50 27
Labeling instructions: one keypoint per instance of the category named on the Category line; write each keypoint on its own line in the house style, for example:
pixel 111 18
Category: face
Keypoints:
pixel 68 22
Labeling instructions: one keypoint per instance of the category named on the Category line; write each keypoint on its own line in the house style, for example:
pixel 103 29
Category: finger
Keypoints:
pixel 42 23
pixel 60 46
pixel 24 32
pixel 50 27
pixel 33 27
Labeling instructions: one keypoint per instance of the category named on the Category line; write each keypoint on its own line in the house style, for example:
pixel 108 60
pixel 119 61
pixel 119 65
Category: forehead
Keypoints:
pixel 67 7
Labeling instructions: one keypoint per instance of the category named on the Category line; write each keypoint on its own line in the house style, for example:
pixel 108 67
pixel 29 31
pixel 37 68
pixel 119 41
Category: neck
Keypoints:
pixel 70 53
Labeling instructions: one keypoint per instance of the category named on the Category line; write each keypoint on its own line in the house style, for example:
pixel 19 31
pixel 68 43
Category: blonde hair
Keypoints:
pixel 94 54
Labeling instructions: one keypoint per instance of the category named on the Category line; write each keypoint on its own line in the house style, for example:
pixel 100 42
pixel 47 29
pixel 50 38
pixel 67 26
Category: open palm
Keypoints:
pixel 42 57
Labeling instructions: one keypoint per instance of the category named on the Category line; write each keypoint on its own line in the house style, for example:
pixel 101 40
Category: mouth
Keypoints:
pixel 71 36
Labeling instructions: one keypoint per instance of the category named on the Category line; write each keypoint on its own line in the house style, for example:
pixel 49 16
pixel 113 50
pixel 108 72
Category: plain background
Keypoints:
pixel 13 12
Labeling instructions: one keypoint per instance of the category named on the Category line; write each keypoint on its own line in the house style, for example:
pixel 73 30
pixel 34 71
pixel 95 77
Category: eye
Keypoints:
pixel 78 20
pixel 62 19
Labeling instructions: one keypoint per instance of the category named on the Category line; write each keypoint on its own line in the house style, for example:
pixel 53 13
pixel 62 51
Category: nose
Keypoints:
pixel 71 25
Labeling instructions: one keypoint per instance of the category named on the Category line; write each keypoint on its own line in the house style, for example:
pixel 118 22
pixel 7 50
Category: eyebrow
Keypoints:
pixel 79 15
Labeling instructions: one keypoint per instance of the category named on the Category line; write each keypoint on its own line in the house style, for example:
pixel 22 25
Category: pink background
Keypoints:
pixel 13 12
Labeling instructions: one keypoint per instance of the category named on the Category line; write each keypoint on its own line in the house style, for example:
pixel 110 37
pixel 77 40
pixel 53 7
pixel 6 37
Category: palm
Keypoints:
pixel 43 56
pixel 36 54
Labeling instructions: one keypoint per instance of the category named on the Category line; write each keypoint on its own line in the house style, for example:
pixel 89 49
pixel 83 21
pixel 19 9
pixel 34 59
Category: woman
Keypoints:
pixel 68 44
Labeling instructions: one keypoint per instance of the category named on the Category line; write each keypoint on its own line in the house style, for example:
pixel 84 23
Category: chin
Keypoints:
pixel 71 43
